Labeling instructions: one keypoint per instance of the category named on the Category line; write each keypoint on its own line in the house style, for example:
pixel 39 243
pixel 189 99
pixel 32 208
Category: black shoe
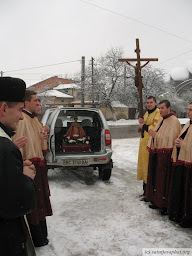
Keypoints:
pixel 144 200
pixel 164 212
pixel 175 219
pixel 38 236
pixel 185 223
pixel 152 206
pixel 45 242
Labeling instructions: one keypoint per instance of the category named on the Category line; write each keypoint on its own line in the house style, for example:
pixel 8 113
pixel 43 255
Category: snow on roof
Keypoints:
pixel 66 86
pixel 179 73
pixel 189 66
pixel 86 102
pixel 54 93
pixel 117 104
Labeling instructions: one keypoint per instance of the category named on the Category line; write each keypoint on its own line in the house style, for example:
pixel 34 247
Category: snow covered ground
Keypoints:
pixel 95 218
pixel 123 122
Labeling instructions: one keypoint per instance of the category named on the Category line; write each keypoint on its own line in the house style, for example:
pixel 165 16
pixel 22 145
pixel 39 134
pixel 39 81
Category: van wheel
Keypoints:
pixel 104 174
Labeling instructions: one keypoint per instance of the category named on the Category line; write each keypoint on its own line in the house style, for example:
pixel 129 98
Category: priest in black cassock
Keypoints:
pixel 17 188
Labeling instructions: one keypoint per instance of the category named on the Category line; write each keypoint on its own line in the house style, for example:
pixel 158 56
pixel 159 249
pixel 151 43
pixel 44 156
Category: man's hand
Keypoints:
pixel 141 125
pixel 46 129
pixel 141 121
pixel 29 169
pixel 20 143
pixel 178 142
pixel 43 135
pixel 152 133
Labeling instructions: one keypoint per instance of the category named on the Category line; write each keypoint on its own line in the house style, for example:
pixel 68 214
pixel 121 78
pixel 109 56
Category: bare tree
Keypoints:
pixel 108 77
pixel 154 82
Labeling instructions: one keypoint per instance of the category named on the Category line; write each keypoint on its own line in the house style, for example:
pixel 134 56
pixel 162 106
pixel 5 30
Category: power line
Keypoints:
pixel 145 24
pixel 174 57
pixel 42 66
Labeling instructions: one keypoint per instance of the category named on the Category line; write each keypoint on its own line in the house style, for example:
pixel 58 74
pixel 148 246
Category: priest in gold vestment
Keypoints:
pixel 151 118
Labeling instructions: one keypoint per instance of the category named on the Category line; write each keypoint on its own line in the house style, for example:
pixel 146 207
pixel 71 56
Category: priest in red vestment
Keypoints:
pixel 32 150
pixel 180 201
pixel 160 146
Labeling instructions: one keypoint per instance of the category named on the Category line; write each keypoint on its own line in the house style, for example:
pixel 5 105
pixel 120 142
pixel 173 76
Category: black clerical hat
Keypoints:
pixel 12 89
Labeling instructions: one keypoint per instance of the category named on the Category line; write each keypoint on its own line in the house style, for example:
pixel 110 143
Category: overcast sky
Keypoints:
pixel 44 32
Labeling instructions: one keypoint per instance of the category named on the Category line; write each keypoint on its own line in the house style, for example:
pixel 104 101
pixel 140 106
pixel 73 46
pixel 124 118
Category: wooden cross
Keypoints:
pixel 138 77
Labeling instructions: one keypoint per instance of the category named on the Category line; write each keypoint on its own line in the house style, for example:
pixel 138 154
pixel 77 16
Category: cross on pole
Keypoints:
pixel 138 77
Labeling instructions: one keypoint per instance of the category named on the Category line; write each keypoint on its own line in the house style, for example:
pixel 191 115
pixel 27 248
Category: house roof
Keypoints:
pixel 50 83
pixel 67 86
pixel 54 93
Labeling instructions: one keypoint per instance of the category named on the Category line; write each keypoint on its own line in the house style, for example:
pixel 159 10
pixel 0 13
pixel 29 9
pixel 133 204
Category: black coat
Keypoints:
pixel 17 198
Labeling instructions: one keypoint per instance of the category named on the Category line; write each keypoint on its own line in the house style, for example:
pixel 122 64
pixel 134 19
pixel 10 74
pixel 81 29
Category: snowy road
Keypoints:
pixel 95 218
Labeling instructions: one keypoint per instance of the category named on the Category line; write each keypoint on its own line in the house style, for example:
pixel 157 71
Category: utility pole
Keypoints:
pixel 1 73
pixel 92 79
pixel 82 81
pixel 138 77
pixel 124 76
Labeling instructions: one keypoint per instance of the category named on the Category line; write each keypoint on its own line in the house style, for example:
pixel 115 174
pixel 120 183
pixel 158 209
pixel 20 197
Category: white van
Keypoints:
pixel 92 150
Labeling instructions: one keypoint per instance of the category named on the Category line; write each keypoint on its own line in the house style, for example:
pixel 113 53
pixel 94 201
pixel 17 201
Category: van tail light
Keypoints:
pixel 107 138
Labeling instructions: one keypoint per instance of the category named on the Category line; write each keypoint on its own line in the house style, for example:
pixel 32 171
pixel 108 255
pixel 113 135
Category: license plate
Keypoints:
pixel 82 162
